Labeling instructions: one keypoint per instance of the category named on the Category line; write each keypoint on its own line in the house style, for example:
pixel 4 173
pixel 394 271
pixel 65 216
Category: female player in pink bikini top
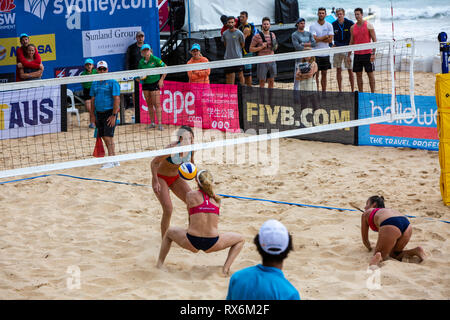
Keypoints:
pixel 203 207
pixel 394 232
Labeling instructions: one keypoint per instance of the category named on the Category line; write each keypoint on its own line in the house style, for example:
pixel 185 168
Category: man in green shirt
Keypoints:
pixel 152 84
pixel 88 69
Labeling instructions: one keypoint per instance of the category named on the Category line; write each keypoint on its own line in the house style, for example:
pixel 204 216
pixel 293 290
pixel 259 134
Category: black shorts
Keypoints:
pixel 363 61
pixel 323 63
pixel 103 129
pixel 233 69
pixel 87 94
pixel 150 86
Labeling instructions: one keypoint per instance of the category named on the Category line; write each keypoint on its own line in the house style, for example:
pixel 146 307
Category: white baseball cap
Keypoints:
pixel 273 237
pixel 102 64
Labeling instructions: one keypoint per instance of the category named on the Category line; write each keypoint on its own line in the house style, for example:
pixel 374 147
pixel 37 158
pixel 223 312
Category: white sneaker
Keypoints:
pixel 107 165
pixel 116 164
pixel 160 127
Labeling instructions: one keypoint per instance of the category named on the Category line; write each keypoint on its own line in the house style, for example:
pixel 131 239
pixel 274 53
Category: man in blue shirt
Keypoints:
pixel 266 281
pixel 342 36
pixel 106 104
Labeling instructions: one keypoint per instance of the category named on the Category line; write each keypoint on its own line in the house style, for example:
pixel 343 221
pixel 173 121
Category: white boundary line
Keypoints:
pixel 200 146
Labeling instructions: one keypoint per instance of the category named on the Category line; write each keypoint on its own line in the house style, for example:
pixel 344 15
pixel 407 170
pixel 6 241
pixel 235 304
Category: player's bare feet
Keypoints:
pixel 376 259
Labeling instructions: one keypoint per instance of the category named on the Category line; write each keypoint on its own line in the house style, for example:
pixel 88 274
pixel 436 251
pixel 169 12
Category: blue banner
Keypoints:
pixel 420 132
pixel 66 32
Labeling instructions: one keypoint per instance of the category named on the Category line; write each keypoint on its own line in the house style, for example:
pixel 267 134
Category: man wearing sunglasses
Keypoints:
pixel 106 105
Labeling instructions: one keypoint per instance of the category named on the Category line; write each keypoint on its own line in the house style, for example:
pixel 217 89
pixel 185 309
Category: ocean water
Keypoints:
pixel 422 20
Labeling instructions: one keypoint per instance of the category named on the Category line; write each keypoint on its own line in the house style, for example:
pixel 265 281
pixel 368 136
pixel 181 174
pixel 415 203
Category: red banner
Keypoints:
pixel 211 106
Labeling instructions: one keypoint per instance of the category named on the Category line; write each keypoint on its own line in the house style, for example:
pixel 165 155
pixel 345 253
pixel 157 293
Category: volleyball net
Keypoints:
pixel 40 131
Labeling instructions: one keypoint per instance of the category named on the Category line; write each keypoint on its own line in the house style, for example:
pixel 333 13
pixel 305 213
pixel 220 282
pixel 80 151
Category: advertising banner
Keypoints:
pixel 419 133
pixel 214 106
pixel 280 109
pixel 66 32
pixel 30 112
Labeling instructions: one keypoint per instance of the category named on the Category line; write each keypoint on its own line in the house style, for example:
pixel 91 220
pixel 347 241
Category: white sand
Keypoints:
pixel 111 232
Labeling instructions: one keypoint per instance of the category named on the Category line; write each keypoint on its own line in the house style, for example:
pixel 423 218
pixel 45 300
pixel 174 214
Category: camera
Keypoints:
pixel 304 67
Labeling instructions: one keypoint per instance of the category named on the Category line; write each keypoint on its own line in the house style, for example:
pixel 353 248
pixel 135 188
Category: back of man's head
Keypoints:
pixel 273 242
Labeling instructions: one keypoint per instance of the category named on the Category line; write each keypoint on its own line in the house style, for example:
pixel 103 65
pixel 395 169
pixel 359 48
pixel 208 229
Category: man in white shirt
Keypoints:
pixel 323 33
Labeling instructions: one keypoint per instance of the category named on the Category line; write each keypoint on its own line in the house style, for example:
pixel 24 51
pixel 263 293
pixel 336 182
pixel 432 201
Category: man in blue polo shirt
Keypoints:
pixel 342 36
pixel 106 105
pixel 266 281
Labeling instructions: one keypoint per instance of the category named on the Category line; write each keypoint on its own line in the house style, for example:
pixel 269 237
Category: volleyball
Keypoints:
pixel 187 170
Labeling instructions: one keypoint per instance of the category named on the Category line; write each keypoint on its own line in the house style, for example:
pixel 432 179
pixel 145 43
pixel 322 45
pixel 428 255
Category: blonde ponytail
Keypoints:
pixel 205 181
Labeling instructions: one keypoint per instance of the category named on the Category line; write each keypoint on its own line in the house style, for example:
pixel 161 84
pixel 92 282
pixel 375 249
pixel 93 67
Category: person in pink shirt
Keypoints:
pixel 22 61
pixel 363 32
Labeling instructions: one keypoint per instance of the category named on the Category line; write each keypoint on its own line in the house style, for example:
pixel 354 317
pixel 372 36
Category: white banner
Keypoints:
pixel 204 16
pixel 30 112
pixel 104 42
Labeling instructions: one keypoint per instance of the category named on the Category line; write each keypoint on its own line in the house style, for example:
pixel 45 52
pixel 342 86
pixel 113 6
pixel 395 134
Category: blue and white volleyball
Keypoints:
pixel 187 170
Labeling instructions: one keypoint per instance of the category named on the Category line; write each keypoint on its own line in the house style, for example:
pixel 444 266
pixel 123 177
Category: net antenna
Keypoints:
pixel 37 135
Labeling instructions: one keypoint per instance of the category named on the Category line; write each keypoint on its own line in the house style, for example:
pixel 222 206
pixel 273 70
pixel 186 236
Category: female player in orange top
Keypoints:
pixel 394 232
pixel 203 206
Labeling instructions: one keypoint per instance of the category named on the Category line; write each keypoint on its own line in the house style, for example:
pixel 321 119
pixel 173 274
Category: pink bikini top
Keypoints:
pixel 205 207
pixel 371 222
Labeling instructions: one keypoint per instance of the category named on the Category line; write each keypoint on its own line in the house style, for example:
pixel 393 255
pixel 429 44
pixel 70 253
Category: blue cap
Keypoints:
pixel 196 46
pixel 146 46
pixel 23 35
pixel 299 20
pixel 89 61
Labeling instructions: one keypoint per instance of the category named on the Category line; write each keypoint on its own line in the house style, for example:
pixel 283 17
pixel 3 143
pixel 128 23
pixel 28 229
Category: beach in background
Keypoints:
pixel 423 20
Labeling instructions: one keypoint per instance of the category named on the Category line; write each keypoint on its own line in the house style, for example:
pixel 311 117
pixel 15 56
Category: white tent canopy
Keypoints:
pixel 204 15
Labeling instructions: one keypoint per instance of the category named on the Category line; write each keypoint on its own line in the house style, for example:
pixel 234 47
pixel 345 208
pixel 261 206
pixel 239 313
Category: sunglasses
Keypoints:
pixel 101 69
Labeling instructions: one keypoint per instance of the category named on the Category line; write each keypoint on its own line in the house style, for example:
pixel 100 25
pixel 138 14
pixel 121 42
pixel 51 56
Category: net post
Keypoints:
pixel 393 93
pixel 137 102
pixel 411 76
pixel 355 141
pixel 63 89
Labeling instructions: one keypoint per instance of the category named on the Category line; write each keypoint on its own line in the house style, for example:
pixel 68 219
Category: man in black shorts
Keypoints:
pixel 323 34
pixel 363 32
pixel 105 103
pixel 233 40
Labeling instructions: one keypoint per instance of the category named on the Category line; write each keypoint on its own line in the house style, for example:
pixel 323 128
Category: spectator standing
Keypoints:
pixel 233 40
pixel 266 281
pixel 323 34
pixel 152 84
pixel 198 76
pixel 36 63
pixel 26 73
pixel 105 104
pixel 133 55
pixel 301 40
pixel 249 30
pixel 265 43
pixel 88 69
pixel 342 37
pixel 363 32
